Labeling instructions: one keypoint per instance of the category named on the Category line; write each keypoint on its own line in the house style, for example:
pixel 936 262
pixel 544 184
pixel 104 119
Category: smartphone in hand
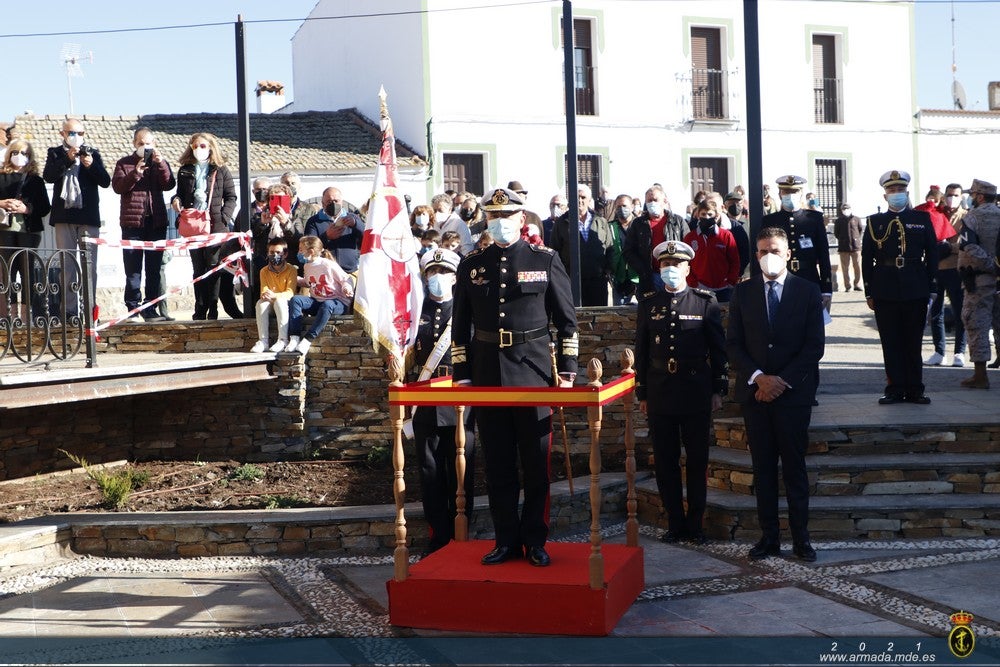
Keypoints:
pixel 147 156
pixel 284 202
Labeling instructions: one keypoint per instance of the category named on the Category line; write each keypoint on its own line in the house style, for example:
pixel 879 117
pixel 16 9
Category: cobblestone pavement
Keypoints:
pixel 870 593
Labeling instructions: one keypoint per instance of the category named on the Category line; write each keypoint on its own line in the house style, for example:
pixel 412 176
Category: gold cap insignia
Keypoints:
pixel 894 175
pixel 500 198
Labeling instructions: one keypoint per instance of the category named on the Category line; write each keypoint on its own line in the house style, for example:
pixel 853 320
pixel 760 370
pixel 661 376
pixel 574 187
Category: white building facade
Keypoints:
pixel 659 90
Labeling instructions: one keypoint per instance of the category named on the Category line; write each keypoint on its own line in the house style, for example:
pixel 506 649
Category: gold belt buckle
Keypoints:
pixel 900 262
pixel 794 265
pixel 509 340
pixel 671 366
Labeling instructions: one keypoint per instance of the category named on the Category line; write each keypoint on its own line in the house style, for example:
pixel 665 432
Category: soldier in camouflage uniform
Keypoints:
pixel 976 266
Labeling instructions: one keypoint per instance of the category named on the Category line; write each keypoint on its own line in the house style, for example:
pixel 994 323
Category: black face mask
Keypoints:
pixel 734 210
pixel 707 226
pixel 332 209
pixel 260 196
pixel 467 213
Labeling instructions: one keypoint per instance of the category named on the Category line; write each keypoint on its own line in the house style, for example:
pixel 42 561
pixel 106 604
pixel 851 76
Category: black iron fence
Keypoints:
pixel 827 96
pixel 46 304
pixel 708 93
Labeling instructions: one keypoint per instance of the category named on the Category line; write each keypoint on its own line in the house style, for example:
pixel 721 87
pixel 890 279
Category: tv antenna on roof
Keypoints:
pixel 957 91
pixel 71 59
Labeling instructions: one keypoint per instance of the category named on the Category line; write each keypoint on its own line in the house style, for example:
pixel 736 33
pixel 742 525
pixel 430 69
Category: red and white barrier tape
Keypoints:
pixel 229 263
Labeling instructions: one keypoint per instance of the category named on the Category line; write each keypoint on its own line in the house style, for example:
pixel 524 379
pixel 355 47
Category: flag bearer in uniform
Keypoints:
pixel 434 427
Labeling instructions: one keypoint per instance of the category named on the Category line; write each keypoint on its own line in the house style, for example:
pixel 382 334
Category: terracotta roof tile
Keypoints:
pixel 309 141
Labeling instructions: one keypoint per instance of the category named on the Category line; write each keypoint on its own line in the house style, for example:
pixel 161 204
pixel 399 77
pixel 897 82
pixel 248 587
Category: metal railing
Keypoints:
pixel 46 304
pixel 827 95
pixel 708 93
pixel 584 84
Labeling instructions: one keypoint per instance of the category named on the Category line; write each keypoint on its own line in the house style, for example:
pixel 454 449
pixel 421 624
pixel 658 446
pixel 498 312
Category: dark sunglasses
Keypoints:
pixel 24 153
pixel 74 133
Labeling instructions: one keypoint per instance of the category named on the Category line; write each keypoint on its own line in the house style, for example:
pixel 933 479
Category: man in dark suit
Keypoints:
pixel 775 340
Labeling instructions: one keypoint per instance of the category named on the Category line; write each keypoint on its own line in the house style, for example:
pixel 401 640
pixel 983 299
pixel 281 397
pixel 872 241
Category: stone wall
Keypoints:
pixel 336 399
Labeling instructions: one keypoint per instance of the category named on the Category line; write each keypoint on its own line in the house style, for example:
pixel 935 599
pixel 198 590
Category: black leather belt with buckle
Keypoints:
pixel 673 366
pixel 505 338
pixel 900 262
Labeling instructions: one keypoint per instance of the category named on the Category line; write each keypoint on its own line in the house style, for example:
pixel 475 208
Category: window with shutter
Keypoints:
pixel 707 75
pixel 826 86
pixel 463 171
pixel 830 188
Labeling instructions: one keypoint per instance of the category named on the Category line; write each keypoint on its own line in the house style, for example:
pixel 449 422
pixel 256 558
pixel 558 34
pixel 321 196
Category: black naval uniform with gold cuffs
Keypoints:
pixel 680 362
pixel 504 299
pixel 899 259
pixel 807 241
pixel 434 433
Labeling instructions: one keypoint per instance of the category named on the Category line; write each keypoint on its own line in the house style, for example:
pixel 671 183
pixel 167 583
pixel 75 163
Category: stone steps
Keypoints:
pixel 734 516
pixel 864 439
pixel 878 474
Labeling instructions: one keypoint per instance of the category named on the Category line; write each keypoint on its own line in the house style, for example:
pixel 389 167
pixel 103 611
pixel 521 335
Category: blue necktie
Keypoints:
pixel 772 301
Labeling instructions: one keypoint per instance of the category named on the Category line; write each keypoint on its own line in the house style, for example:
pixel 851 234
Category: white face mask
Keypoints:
pixel 772 265
pixel 140 150
pixel 505 230
pixel 440 217
pixel 847 212
pixel 201 154
pixel 422 220
pixel 74 140
pixel 953 201
pixel 19 160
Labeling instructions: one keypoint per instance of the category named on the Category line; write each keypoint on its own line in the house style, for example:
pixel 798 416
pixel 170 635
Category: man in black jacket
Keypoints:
pixel 77 171
pixel 656 225
pixel 340 226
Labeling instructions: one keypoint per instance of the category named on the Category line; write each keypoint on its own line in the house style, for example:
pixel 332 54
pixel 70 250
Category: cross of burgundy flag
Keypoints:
pixel 389 293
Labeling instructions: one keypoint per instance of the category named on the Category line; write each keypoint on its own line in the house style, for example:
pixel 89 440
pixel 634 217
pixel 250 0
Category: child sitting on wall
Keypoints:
pixel 330 293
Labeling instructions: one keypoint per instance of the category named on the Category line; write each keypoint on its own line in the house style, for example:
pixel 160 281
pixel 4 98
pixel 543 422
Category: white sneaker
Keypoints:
pixel 934 360
pixel 259 346
pixel 279 346
pixel 958 361
pixel 303 346
pixel 293 342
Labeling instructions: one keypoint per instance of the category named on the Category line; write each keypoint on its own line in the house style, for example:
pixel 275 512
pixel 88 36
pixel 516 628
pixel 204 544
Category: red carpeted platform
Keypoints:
pixel 451 590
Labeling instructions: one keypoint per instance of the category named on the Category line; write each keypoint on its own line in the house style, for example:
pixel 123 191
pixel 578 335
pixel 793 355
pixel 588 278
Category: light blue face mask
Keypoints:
pixel 788 202
pixel 897 200
pixel 504 230
pixel 437 287
pixel 672 277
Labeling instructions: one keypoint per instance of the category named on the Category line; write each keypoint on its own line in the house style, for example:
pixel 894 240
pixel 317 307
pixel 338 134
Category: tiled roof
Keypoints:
pixel 312 141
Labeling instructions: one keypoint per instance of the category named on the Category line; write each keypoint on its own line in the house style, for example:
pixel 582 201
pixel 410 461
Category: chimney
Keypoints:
pixel 994 96
pixel 270 96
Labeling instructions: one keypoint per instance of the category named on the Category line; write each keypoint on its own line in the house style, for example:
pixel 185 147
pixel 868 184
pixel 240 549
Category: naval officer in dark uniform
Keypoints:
pixel 807 238
pixel 899 259
pixel 681 377
pixel 434 427
pixel 505 297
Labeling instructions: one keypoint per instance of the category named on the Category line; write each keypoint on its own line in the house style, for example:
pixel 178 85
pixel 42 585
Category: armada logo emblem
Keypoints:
pixel 961 640
pixel 500 198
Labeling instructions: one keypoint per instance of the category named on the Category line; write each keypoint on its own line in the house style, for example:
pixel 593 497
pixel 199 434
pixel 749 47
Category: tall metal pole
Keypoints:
pixel 755 167
pixel 243 128
pixel 571 176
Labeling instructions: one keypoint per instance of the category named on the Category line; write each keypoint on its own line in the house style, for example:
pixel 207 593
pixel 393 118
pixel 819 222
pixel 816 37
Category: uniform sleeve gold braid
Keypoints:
pixel 457 354
pixel 571 346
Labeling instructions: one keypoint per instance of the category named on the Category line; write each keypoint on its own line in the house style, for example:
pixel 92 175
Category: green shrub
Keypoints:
pixel 116 487
pixel 247 472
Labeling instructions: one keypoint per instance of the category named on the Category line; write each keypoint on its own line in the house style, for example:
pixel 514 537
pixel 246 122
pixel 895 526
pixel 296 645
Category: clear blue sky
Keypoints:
pixel 192 69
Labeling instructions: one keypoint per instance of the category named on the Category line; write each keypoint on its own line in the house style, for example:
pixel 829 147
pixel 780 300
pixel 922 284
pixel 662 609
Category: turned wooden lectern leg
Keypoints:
pixel 401 555
pixel 594 414
pixel 461 520
pixel 632 498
